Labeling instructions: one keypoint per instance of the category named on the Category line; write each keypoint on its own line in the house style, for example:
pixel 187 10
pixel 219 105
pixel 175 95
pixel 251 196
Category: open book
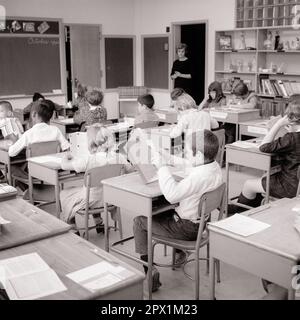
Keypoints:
pixel 28 277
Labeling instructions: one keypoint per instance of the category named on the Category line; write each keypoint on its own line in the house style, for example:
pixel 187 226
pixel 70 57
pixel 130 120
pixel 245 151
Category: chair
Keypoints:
pixel 146 125
pixel 221 138
pixel 93 178
pixel 208 202
pixel 36 150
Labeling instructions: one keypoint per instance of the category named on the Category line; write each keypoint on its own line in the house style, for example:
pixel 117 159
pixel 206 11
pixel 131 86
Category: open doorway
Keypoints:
pixel 194 35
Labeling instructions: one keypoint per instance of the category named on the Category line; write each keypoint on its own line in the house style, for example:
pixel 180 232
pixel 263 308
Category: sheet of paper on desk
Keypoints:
pixel 241 225
pixel 258 130
pixel 3 221
pixel 100 275
pixel 29 277
pixel 246 145
pixel 48 159
pixel 218 114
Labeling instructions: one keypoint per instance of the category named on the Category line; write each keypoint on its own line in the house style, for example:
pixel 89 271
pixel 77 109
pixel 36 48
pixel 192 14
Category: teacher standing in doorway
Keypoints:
pixel 181 70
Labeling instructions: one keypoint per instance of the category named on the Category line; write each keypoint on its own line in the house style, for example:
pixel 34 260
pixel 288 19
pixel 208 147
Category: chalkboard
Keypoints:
pixel 156 62
pixel 118 62
pixel 29 64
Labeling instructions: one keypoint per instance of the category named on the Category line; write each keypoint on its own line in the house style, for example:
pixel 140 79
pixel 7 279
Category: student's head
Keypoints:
pixel 42 111
pixel 293 109
pixel 81 90
pixel 146 101
pixel 215 91
pixel 37 96
pixel 181 50
pixel 241 90
pixel 205 143
pixel 100 139
pixel 6 109
pixel 181 100
pixel 94 97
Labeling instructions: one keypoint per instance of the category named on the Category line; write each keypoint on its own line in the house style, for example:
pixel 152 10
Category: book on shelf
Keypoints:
pixel 279 88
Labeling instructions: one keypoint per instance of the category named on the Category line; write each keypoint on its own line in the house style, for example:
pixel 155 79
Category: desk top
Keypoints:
pixel 281 238
pixel 234 110
pixel 51 161
pixel 65 122
pixel 133 183
pixel 247 147
pixel 263 123
pixel 69 253
pixel 163 130
pixel 28 223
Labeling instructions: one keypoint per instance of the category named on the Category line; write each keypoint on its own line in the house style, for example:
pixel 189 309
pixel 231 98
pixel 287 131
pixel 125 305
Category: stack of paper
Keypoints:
pixel 100 275
pixel 28 277
pixel 241 225
pixel 246 144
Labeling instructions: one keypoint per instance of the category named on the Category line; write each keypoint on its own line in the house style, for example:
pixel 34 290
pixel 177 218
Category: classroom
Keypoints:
pixel 149 150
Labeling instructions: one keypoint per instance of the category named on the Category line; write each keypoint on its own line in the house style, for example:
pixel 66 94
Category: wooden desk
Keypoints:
pixel 68 253
pixel 251 158
pixel 234 116
pixel 64 125
pixel 270 254
pixel 8 161
pixel 162 140
pixel 166 116
pixel 28 223
pixel 51 173
pixel 129 192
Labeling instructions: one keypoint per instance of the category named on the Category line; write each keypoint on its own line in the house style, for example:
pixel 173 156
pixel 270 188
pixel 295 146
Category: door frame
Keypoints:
pixel 100 38
pixel 175 27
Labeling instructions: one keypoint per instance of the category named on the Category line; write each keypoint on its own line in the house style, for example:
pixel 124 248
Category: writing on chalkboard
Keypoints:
pixel 43 41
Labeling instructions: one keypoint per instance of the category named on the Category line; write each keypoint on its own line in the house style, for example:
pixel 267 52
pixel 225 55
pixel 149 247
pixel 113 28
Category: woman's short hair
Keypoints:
pixel 100 138
pixel 293 109
pixel 94 96
pixel 182 46
pixel 240 89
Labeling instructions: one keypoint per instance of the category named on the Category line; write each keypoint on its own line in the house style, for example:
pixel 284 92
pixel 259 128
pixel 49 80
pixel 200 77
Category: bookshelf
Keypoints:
pixel 249 54
pixel 265 13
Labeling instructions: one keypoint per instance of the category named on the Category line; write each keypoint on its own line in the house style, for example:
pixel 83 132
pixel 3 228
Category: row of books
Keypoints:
pixel 281 88
pixel 271 108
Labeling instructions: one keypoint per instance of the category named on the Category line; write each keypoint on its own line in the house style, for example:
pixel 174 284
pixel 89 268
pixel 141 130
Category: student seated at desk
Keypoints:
pixel 283 184
pixel 243 99
pixel 11 128
pixel 145 110
pixel 93 111
pixel 181 223
pixel 215 98
pixel 37 97
pixel 102 148
pixel 181 100
pixel 41 131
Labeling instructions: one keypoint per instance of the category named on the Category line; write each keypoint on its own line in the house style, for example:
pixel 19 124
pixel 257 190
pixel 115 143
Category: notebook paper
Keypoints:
pixel 100 275
pixel 241 225
pixel 29 277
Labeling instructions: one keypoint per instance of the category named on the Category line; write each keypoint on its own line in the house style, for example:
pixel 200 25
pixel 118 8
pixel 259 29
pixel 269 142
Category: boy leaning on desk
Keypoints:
pixel 181 223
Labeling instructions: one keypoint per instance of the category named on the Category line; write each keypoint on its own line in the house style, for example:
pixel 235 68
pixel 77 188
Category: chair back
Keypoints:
pixel 42 148
pixel 146 125
pixel 94 176
pixel 210 201
pixel 298 176
pixel 221 138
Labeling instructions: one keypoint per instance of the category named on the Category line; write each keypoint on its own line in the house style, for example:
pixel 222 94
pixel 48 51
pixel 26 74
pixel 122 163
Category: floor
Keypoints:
pixel 235 283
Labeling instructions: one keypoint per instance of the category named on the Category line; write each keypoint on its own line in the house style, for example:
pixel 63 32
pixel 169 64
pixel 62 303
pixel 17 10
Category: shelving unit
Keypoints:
pixel 265 13
pixel 259 62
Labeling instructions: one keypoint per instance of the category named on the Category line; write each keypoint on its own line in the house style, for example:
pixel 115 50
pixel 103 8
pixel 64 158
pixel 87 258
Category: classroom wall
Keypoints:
pixel 115 16
pixel 152 17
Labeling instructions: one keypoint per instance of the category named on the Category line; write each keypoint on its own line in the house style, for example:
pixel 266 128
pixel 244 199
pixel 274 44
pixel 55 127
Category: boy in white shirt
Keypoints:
pixel 181 223
pixel 41 130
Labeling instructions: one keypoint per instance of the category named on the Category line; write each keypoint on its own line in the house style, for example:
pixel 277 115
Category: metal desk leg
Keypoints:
pixel 150 257
pixel 57 203
pixel 227 188
pixel 106 241
pixel 268 184
pixel 212 278
pixel 30 187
